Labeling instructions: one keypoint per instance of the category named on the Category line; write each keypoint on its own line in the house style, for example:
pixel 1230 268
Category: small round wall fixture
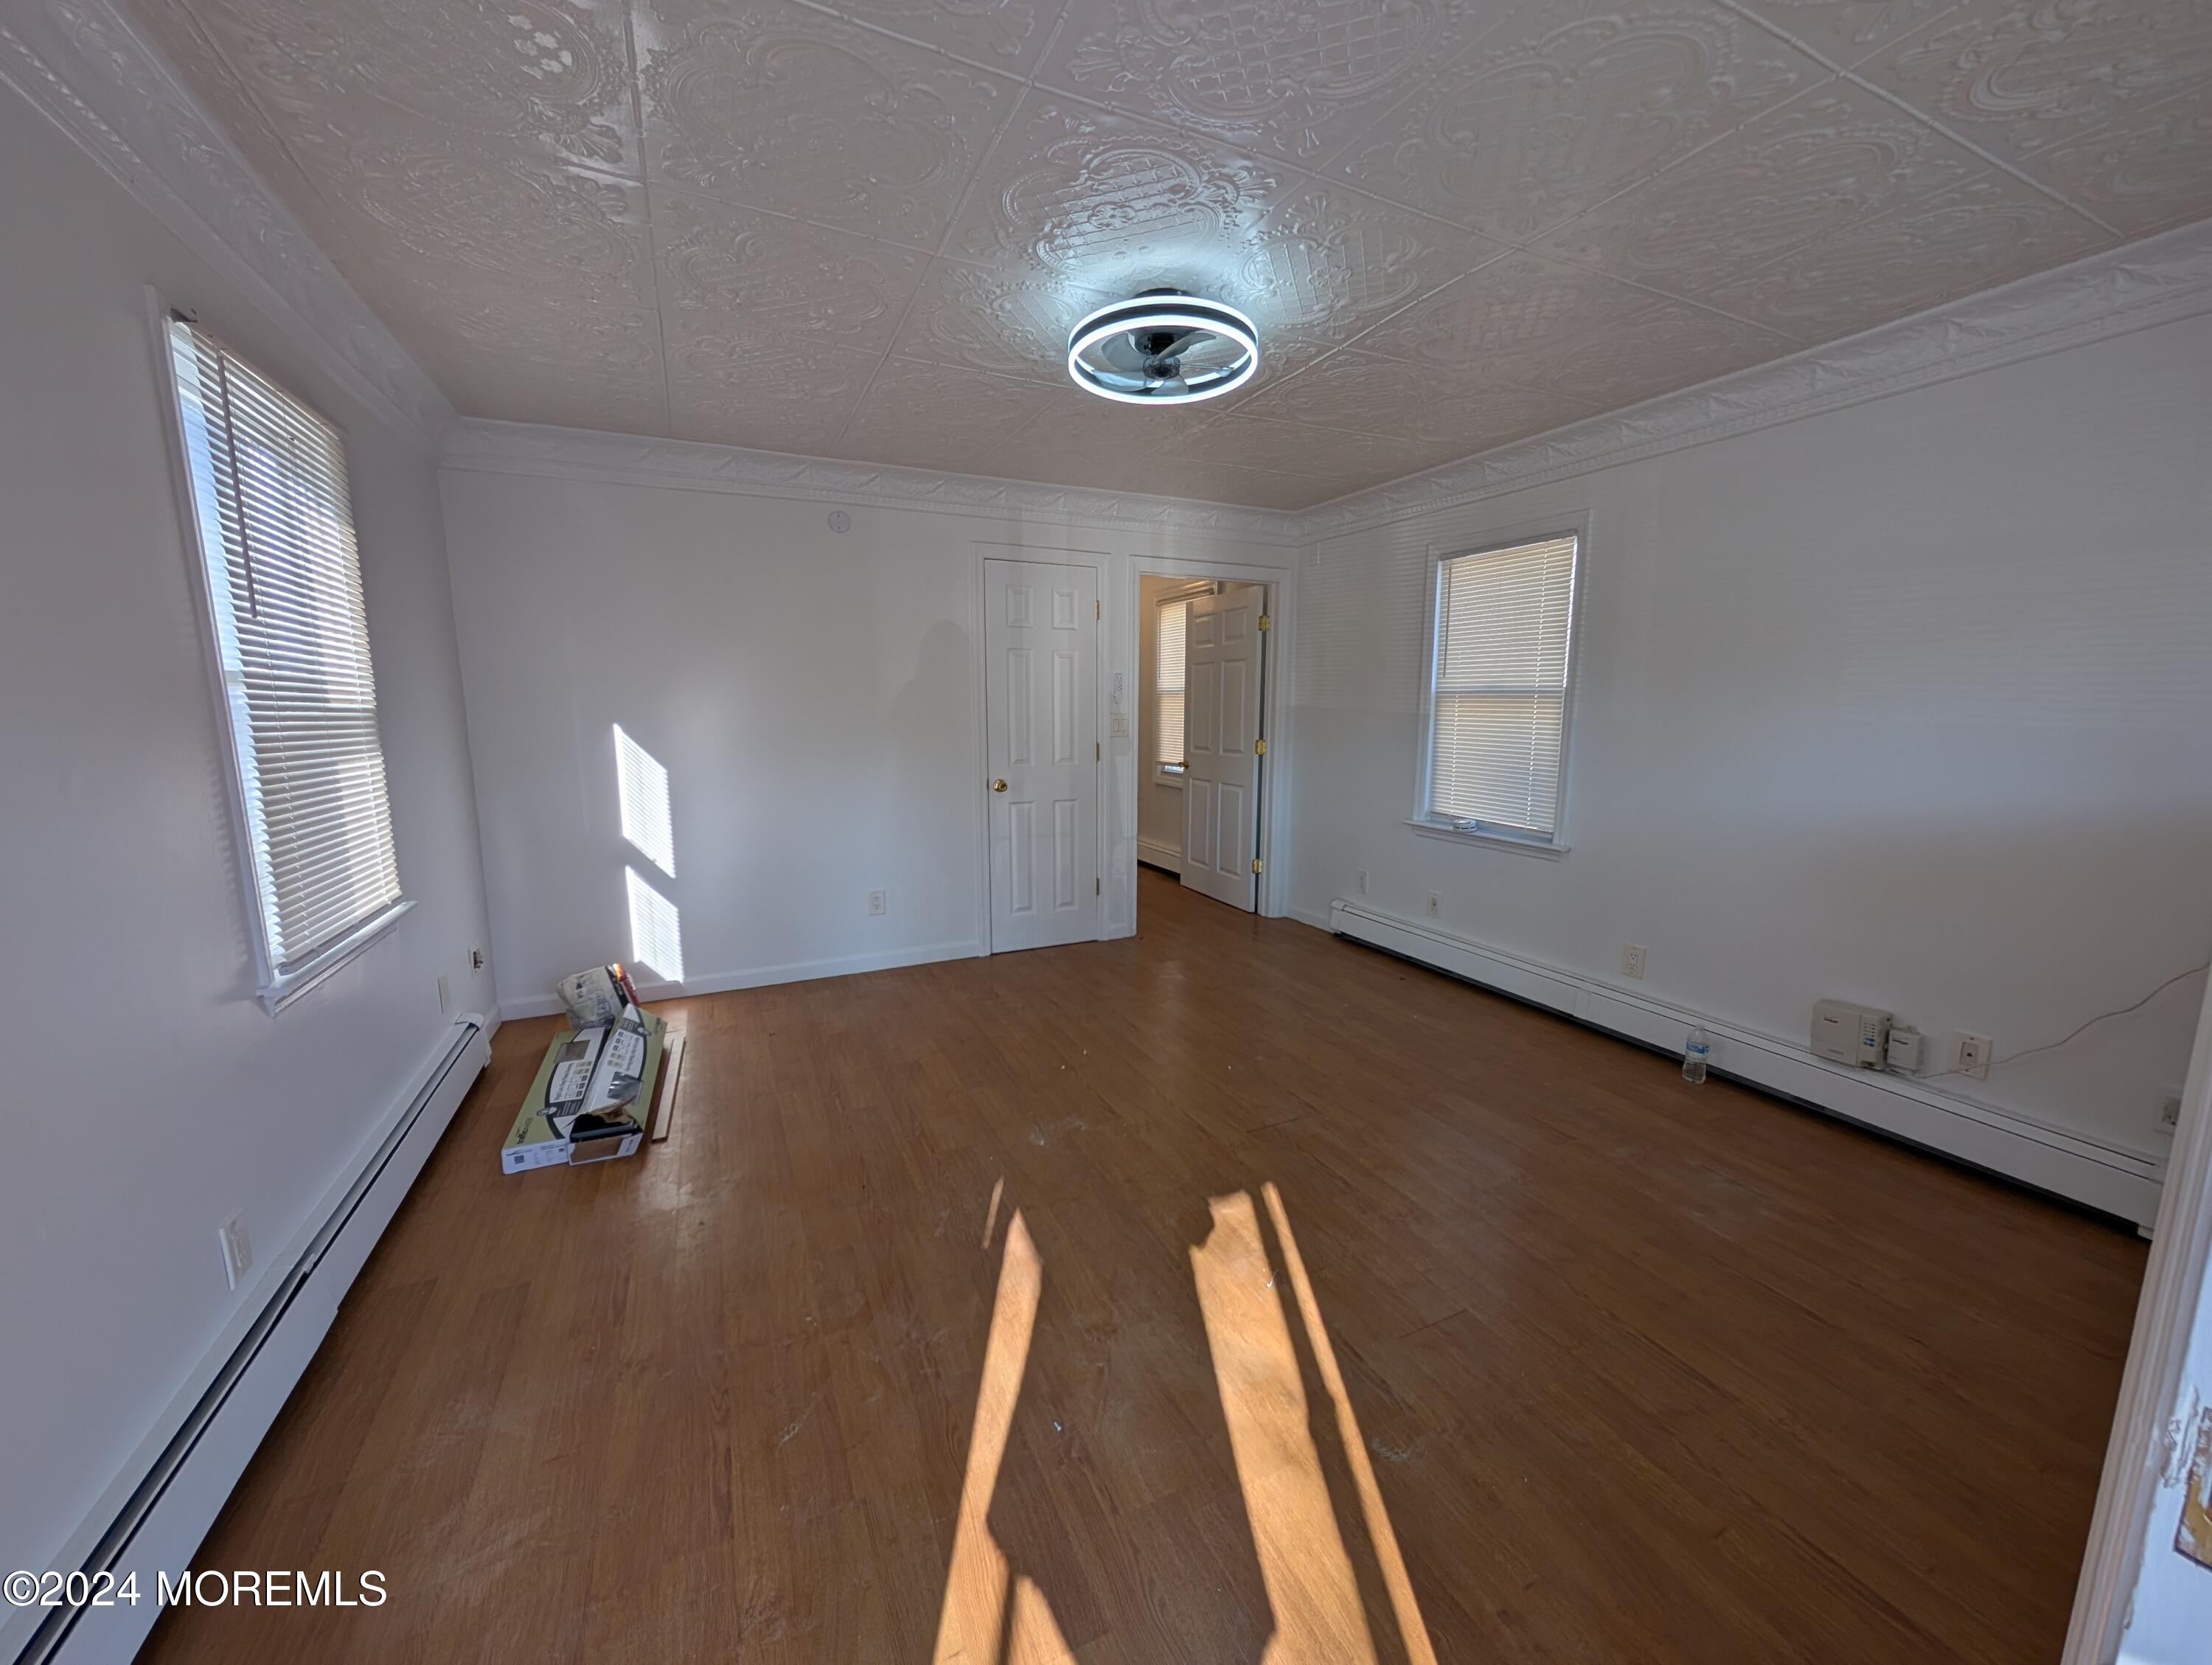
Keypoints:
pixel 1163 347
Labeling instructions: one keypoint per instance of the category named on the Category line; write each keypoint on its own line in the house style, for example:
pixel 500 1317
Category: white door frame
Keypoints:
pixel 2166 1318
pixel 1281 583
pixel 1099 561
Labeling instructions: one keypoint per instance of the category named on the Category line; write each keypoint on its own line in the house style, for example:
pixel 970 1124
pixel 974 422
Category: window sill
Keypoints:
pixel 281 991
pixel 1163 778
pixel 1495 840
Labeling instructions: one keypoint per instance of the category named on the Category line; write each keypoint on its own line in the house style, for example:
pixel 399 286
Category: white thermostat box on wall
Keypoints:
pixel 1850 1033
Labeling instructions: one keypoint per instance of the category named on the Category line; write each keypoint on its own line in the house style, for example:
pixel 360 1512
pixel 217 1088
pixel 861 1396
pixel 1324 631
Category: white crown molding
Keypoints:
pixel 85 67
pixel 502 447
pixel 2159 280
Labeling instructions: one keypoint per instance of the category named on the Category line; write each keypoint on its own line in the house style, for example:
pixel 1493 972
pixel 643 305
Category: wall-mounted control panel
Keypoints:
pixel 1856 1035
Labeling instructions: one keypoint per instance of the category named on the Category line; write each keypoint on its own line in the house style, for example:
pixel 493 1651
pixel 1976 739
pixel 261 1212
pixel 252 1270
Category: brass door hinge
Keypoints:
pixel 1097 887
pixel 1097 752
pixel 1258 748
pixel 1266 622
pixel 1258 865
pixel 1096 610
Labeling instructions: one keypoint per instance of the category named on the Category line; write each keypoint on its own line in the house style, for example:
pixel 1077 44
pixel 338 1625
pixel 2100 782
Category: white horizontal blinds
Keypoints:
pixel 1174 620
pixel 285 576
pixel 1501 688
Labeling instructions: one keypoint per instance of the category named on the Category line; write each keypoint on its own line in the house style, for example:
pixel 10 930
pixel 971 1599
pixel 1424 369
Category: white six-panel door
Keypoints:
pixel 1041 716
pixel 1221 724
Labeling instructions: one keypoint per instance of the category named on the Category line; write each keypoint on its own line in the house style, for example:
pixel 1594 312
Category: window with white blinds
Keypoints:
pixel 283 584
pixel 1498 703
pixel 1167 749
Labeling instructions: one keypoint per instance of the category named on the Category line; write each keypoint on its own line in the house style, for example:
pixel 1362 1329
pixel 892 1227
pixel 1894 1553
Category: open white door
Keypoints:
pixel 1040 715
pixel 2144 1599
pixel 1223 647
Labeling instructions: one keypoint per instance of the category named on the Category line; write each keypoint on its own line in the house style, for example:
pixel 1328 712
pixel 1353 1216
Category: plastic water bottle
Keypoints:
pixel 1695 1051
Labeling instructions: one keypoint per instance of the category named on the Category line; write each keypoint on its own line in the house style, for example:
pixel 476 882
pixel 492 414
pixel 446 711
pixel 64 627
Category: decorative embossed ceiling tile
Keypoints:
pixel 2153 172
pixel 1326 263
pixel 480 215
pixel 1361 393
pixel 935 416
pixel 551 78
pixel 1085 196
pixel 1342 460
pixel 772 105
pixel 766 274
pixel 1526 318
pixel 1013 321
pixel 1296 80
pixel 1972 236
pixel 772 396
pixel 1568 101
pixel 1822 163
pixel 2015 76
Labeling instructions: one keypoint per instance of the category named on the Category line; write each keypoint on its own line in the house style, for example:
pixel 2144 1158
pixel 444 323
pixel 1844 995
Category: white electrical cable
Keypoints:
pixel 2083 1028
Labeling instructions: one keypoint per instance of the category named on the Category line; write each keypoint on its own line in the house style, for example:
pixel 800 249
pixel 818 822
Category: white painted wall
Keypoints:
pixel 813 697
pixel 1909 704
pixel 148 1094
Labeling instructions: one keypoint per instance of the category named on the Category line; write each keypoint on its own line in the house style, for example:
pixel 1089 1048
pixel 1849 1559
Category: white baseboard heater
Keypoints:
pixel 163 1518
pixel 2115 1180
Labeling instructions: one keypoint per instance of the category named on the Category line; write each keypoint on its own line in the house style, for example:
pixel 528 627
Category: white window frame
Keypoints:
pixel 1577 526
pixel 276 988
pixel 1171 775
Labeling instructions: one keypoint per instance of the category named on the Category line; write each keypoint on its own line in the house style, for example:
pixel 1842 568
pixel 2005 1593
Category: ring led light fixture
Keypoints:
pixel 1163 347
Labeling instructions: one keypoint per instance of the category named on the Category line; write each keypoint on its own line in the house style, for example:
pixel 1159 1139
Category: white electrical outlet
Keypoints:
pixel 1970 1054
pixel 1436 906
pixel 237 1249
pixel 2169 1111
pixel 1363 881
pixel 876 903
pixel 445 996
pixel 1631 959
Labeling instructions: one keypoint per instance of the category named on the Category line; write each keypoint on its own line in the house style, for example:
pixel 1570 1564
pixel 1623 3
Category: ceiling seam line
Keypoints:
pixel 652 220
pixel 951 222
pixel 1990 157
pixel 869 25
pixel 1851 72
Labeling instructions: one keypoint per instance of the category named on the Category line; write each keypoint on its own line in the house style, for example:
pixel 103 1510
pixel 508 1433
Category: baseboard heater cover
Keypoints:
pixel 2116 1182
pixel 163 1519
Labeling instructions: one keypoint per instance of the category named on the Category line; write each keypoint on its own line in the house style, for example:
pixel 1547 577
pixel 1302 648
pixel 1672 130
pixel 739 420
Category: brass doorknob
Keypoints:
pixel 997 786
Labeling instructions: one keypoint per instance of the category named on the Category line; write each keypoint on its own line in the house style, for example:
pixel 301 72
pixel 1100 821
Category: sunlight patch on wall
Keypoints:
pixel 656 935
pixel 641 786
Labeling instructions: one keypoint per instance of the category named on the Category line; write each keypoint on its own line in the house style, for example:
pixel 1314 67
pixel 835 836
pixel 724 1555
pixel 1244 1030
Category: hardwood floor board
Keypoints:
pixel 1635 1370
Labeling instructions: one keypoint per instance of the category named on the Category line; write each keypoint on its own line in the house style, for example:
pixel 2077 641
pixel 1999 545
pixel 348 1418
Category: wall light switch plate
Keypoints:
pixel 876 903
pixel 237 1249
pixel 1631 959
pixel 1436 906
pixel 1120 723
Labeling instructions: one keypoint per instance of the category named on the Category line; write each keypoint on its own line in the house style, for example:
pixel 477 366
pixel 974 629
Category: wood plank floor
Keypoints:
pixel 1228 1295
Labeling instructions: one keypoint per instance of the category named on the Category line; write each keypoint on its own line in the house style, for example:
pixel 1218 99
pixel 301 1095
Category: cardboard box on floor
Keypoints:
pixel 535 1142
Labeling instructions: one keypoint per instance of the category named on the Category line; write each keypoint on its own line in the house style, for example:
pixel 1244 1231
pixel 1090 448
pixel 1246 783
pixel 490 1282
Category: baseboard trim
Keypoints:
pixel 1159 855
pixel 2100 1176
pixel 762 976
pixel 154 1513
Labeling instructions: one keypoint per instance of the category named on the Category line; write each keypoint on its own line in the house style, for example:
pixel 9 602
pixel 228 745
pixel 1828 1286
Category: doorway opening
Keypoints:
pixel 1202 744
